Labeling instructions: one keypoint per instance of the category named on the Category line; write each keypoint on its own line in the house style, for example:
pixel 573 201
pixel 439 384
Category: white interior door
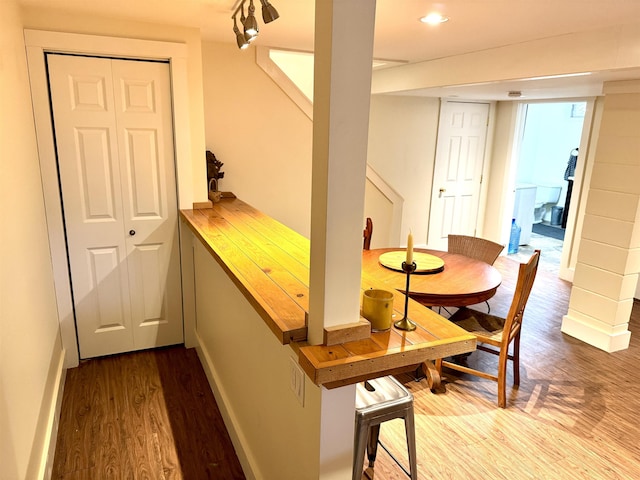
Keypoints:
pixel 114 137
pixel 462 135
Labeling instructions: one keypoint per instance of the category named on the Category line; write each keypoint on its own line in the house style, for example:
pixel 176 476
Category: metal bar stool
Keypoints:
pixel 377 401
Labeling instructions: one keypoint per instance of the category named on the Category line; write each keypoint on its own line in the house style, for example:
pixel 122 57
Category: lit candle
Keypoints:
pixel 409 249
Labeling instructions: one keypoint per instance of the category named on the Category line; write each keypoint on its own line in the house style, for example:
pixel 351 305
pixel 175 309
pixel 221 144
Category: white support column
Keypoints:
pixel 343 59
pixel 609 257
pixel 342 90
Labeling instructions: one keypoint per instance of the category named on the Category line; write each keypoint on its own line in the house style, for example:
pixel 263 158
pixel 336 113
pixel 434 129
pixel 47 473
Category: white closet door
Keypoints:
pixel 114 139
pixel 457 175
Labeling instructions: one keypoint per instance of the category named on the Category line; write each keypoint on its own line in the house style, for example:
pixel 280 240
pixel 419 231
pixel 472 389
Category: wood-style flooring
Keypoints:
pixel 144 415
pixel 574 416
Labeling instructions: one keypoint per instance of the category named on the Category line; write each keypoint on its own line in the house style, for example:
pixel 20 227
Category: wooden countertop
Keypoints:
pixel 269 263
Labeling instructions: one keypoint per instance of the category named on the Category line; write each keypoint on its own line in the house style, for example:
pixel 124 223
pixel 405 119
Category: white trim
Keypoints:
pixel 577 205
pixel 609 342
pixel 396 200
pixel 53 420
pixel 283 81
pixel 37 43
pixel 247 461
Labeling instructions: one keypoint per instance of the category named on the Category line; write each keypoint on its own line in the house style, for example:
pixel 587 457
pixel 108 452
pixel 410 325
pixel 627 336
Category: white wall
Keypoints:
pixel 402 143
pixel 261 136
pixel 30 346
pixel 499 185
pixel 275 437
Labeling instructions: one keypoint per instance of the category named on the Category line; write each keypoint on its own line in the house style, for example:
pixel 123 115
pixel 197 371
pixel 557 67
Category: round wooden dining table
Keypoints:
pixel 460 282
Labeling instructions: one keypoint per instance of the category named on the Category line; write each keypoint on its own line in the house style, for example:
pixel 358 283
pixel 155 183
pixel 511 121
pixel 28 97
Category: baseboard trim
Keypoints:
pixel 588 334
pixel 247 461
pixel 53 418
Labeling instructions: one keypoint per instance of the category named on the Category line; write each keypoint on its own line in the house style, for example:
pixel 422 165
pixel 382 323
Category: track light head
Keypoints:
pixel 269 13
pixel 250 23
pixel 240 38
pixel 247 36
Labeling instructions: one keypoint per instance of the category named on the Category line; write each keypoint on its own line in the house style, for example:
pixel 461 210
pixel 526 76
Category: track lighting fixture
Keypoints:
pixel 269 13
pixel 240 38
pixel 249 23
pixel 249 37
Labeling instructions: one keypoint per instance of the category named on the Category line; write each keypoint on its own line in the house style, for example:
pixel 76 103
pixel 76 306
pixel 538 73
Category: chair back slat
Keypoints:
pixel 526 276
pixel 474 247
pixel 367 233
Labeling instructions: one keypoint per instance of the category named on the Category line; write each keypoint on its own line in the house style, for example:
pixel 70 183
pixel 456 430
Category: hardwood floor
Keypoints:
pixel 152 415
pixel 143 415
pixel 575 414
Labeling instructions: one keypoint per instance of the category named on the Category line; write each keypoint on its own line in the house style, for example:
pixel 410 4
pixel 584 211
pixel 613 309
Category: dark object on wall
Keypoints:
pixel 569 173
pixel 213 176
pixel 213 167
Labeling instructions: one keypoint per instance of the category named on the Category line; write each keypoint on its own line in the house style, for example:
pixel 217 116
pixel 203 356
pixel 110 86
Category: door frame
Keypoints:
pixel 486 163
pixel 37 44
pixel 577 207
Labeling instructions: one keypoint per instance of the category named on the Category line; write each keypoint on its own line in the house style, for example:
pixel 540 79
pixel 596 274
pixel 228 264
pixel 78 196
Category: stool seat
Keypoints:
pixel 377 401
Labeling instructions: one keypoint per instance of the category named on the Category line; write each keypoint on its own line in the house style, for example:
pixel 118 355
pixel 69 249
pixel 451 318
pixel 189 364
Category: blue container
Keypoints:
pixel 514 238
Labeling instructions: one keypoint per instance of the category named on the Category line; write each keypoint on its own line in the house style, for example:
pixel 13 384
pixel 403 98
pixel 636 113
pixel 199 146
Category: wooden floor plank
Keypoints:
pixel 573 416
pixel 147 415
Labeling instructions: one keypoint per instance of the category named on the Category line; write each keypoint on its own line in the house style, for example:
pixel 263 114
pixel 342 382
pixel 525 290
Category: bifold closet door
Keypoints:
pixel 114 139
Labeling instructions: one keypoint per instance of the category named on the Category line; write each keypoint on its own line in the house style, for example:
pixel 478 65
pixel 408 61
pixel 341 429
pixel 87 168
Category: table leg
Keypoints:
pixel 432 375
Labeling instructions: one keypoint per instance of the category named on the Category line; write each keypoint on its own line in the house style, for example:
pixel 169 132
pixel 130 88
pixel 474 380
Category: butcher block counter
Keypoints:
pixel 269 264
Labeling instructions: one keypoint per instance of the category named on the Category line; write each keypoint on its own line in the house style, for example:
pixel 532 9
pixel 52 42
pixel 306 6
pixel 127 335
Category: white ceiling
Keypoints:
pixel 474 25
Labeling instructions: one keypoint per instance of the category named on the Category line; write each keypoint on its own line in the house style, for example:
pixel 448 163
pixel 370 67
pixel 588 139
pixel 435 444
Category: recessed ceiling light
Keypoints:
pixel 434 19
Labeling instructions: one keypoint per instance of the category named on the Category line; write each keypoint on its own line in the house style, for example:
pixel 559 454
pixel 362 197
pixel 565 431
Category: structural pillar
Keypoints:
pixel 609 256
pixel 342 92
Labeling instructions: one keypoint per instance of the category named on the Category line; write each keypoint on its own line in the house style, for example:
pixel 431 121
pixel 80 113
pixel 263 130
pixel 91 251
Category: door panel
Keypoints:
pixel 96 175
pixel 106 302
pixel 145 139
pixel 115 152
pixel 458 171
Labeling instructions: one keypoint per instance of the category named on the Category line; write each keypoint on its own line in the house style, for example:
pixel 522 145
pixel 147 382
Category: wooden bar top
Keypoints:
pixel 269 263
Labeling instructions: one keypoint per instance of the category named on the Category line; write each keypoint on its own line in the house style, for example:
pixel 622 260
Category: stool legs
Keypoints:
pixel 372 444
pixel 366 437
pixel 358 448
pixel 377 401
pixel 410 428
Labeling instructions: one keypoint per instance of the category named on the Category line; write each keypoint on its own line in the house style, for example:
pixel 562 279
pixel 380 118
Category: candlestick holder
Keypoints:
pixel 405 323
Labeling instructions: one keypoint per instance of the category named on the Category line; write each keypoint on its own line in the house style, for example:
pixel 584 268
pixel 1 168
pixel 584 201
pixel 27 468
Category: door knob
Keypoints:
pixel 442 190
pixel 132 232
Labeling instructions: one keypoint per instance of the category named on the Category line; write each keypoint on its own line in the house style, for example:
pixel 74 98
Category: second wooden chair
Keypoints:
pixel 475 247
pixel 495 334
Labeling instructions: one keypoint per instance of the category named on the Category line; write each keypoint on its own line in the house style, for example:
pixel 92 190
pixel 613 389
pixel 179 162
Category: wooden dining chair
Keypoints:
pixel 495 334
pixel 475 247
pixel 367 233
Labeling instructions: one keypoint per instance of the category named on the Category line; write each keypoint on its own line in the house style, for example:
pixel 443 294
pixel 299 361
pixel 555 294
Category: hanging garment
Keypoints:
pixel 571 164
